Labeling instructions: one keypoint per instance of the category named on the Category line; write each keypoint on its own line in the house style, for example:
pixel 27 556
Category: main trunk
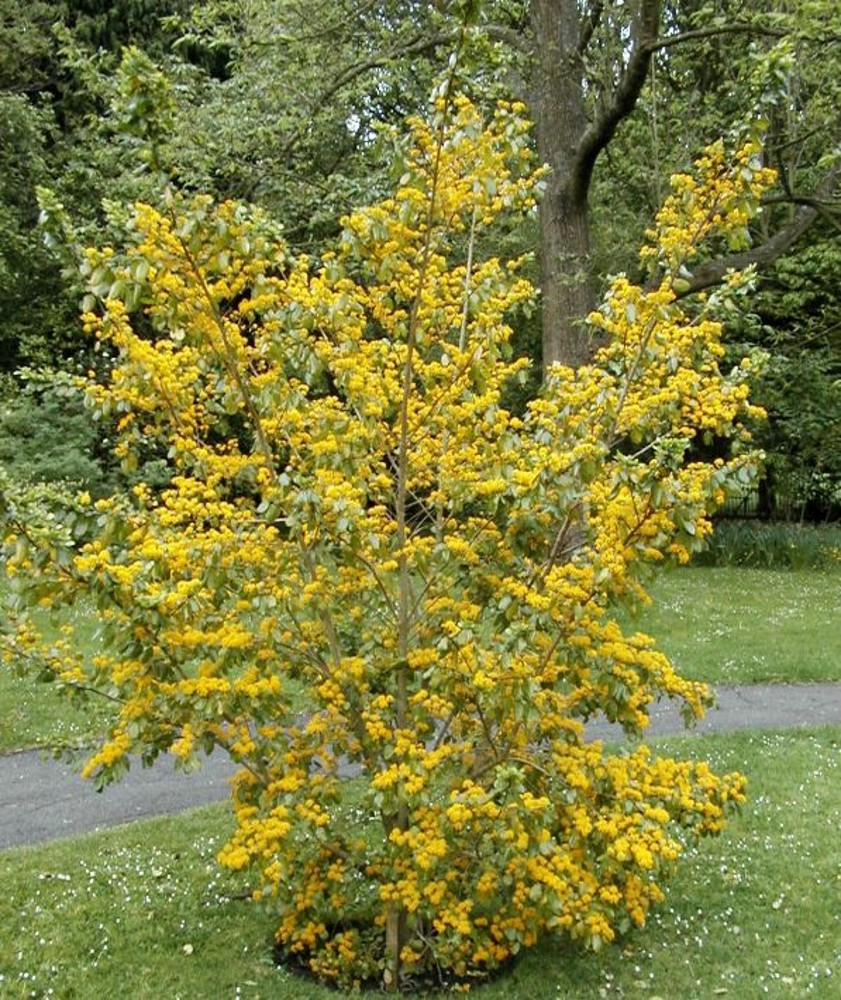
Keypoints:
pixel 566 284
pixel 558 98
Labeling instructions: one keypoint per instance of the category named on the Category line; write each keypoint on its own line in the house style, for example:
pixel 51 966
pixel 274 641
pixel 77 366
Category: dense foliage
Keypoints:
pixel 362 562
pixel 796 319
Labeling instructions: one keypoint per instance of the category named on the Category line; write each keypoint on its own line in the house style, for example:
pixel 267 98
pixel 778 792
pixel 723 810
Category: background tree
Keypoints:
pixel 55 56
pixel 274 112
pixel 57 61
pixel 643 86
pixel 796 319
pixel 36 313
pixel 592 70
pixel 293 123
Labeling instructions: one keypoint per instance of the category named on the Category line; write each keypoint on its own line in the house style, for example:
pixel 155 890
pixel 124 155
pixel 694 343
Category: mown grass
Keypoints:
pixel 143 912
pixel 36 713
pixel 744 626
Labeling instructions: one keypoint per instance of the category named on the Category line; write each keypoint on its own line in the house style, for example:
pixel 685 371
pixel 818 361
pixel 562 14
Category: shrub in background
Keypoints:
pixel 47 435
pixel 352 511
pixel 772 545
pixel 801 385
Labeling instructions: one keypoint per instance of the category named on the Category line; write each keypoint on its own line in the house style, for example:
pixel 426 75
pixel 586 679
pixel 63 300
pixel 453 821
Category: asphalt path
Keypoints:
pixel 42 799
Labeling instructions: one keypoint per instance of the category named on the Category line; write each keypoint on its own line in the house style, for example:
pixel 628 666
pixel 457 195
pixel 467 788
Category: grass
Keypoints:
pixel 744 626
pixel 722 625
pixel 33 713
pixel 143 912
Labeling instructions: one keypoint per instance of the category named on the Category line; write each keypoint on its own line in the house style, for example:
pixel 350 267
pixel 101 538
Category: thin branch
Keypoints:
pixel 510 36
pixel 827 206
pixel 827 215
pixel 777 147
pixel 625 96
pixel 697 34
pixel 468 276
pixel 443 732
pixel 489 736
pixel 372 569
pixel 557 549
pixel 416 46
pixel 228 356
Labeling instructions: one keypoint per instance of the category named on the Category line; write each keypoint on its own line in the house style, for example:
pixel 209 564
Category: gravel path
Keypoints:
pixel 43 800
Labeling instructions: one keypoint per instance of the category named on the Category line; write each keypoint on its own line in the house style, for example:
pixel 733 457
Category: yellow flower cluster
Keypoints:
pixel 719 198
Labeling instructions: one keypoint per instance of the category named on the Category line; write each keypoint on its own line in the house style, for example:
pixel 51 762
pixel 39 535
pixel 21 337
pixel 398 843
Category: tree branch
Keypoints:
pixel 589 25
pixel 827 205
pixel 712 272
pixel 624 98
pixel 415 46
pixel 510 36
pixel 647 41
pixel 697 34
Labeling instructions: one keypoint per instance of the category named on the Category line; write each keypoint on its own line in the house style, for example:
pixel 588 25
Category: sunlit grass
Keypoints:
pixel 743 626
pixel 144 912
pixel 38 713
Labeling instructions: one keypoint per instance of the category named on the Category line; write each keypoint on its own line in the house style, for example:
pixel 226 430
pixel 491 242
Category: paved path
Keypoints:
pixel 43 800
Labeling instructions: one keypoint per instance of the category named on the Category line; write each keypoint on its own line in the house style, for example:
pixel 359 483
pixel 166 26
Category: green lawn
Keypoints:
pixel 142 911
pixel 37 714
pixel 33 714
pixel 743 626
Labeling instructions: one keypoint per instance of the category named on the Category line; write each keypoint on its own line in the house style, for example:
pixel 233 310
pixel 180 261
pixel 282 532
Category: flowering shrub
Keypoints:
pixel 363 562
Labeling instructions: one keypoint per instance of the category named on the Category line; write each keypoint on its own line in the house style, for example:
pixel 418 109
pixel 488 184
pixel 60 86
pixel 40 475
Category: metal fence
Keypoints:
pixel 746 507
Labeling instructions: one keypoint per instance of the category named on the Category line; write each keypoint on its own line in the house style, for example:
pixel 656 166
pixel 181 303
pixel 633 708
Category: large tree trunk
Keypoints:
pixel 558 100
pixel 565 279
pixel 571 143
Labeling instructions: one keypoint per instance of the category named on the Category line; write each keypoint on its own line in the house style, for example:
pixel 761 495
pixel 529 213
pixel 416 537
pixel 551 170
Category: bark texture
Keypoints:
pixel 570 142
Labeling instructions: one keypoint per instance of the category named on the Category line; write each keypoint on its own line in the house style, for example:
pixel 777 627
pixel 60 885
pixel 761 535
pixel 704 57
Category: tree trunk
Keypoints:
pixel 565 280
pixel 396 937
pixel 560 119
